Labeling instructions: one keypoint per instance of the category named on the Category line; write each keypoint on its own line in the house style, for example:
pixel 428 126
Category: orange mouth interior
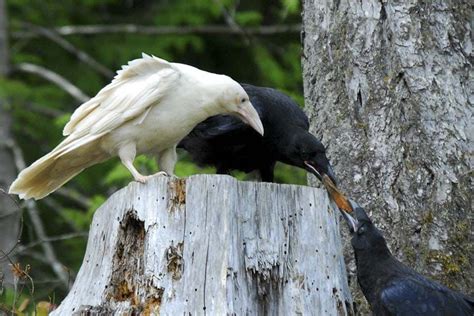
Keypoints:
pixel 339 198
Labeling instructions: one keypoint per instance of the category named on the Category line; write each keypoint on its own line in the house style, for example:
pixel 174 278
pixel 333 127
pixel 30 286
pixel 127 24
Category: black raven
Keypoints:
pixel 228 144
pixel 392 288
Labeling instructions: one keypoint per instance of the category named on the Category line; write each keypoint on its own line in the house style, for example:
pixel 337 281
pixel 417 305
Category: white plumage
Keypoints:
pixel 148 108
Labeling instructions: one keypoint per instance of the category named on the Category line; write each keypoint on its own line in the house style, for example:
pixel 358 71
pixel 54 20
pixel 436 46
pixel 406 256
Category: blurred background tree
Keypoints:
pixel 62 52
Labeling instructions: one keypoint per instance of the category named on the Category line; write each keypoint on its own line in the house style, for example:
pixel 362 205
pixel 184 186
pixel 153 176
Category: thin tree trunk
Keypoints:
pixel 9 211
pixel 212 245
pixel 388 86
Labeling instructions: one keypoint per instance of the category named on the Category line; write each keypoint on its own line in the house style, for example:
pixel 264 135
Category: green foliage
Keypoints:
pixel 20 303
pixel 41 109
pixel 185 168
pixel 248 18
pixel 293 6
pixel 289 174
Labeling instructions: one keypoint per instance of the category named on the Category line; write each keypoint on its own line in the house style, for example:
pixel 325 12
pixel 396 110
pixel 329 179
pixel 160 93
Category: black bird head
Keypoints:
pixel 310 154
pixel 365 236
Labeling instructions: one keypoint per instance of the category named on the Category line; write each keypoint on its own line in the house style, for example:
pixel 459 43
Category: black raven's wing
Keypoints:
pixel 272 106
pixel 223 128
pixel 224 142
pixel 275 104
pixel 228 144
pixel 218 125
pixel 416 295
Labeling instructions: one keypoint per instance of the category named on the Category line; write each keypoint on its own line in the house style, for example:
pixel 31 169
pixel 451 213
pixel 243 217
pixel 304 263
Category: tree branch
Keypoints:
pixel 51 239
pixel 43 110
pixel 55 78
pixel 57 208
pixel 32 209
pixel 264 30
pixel 75 196
pixel 230 21
pixel 79 54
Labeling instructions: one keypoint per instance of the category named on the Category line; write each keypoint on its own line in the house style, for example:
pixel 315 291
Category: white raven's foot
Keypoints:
pixel 142 179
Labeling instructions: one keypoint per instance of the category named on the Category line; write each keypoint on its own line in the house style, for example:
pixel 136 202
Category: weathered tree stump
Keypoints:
pixel 212 245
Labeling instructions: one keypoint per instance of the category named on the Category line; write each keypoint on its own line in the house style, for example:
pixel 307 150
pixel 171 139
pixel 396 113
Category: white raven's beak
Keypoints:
pixel 249 115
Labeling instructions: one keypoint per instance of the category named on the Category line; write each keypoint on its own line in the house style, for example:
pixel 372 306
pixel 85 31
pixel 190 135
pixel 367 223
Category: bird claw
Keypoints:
pixel 142 179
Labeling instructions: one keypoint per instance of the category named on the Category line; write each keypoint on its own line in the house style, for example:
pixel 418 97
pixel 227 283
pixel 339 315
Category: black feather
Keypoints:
pixel 392 288
pixel 228 144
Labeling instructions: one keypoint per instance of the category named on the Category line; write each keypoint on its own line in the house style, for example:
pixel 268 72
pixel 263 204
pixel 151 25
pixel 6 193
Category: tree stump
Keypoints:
pixel 212 245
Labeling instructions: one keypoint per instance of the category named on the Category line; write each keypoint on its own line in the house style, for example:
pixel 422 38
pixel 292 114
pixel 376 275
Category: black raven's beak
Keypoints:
pixel 358 215
pixel 321 167
pixel 338 197
pixel 330 173
pixel 351 221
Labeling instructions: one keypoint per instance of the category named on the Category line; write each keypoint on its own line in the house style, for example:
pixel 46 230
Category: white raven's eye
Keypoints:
pixel 243 100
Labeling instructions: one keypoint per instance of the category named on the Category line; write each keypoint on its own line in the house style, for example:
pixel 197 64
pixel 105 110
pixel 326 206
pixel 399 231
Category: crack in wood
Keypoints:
pixel 205 276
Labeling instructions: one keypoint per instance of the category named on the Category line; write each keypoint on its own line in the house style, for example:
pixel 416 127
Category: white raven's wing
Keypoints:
pixel 135 89
pixel 140 84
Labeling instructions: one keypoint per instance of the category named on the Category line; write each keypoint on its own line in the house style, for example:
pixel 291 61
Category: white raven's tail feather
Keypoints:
pixel 51 171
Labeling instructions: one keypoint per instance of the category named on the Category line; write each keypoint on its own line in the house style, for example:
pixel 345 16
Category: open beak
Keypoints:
pixel 249 115
pixel 351 221
pixel 328 179
pixel 320 173
pixel 320 166
pixel 339 198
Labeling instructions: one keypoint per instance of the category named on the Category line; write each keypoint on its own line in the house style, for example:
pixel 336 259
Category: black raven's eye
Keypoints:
pixel 361 229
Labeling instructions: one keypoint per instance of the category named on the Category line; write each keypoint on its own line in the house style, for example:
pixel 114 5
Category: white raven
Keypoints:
pixel 148 108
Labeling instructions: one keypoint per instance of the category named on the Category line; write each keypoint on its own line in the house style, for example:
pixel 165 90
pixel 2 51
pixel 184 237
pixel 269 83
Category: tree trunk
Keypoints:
pixel 212 245
pixel 9 211
pixel 388 87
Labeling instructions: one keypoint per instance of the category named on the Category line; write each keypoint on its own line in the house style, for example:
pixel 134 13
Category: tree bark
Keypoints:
pixel 212 245
pixel 388 87
pixel 9 211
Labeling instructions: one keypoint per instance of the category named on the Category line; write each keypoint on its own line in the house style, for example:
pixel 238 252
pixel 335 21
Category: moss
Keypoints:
pixel 340 117
pixel 410 254
pixel 427 218
pixel 452 266
pixel 460 233
pixel 362 125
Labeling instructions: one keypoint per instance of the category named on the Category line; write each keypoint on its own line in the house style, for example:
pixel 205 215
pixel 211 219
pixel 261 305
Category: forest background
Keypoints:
pixel 55 54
